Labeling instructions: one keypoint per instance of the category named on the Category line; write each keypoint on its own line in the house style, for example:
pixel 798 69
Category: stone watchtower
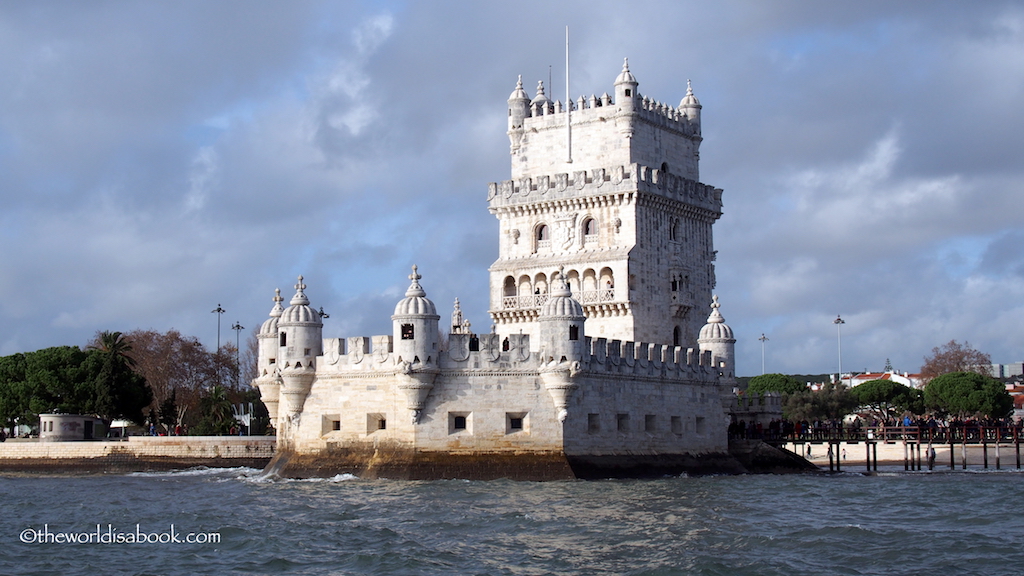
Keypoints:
pixel 605 196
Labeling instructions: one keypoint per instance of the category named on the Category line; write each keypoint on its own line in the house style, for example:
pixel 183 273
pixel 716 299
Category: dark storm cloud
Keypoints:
pixel 156 159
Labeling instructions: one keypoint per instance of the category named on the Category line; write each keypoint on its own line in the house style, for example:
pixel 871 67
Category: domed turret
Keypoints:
pixel 268 380
pixel 415 329
pixel 561 321
pixel 690 107
pixel 717 337
pixel 518 111
pixel 415 325
pixel 625 88
pixel 541 100
pixel 267 337
pixel 300 341
pixel 300 331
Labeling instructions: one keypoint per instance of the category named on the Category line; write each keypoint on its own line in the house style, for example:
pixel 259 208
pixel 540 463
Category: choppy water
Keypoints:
pixel 948 523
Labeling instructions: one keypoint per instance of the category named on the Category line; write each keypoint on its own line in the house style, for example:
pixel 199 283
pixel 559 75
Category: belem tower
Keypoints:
pixel 601 361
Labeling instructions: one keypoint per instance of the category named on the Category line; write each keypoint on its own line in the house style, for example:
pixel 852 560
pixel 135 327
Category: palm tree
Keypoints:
pixel 120 391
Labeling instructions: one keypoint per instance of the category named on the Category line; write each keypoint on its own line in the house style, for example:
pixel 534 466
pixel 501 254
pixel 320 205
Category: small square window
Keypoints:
pixel 515 422
pixel 677 425
pixel 458 422
pixel 335 425
pixel 408 332
pixel 306 351
pixel 622 422
pixel 375 422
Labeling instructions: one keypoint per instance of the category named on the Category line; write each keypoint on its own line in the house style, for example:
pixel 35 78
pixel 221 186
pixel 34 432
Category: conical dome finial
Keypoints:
pixel 277 310
pixel 716 316
pixel 415 289
pixel 300 298
pixel 560 288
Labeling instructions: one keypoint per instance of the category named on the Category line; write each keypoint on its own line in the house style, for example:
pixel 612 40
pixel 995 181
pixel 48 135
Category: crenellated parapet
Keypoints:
pixel 600 186
pixel 489 352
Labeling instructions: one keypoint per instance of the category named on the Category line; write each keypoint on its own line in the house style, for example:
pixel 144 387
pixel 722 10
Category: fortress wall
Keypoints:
pixel 612 415
pixel 139 453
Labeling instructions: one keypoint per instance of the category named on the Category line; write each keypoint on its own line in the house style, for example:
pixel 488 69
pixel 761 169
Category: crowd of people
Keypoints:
pixel 868 428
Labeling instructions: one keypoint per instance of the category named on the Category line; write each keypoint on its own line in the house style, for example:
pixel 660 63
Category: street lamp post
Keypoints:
pixel 763 339
pixel 839 337
pixel 237 327
pixel 218 311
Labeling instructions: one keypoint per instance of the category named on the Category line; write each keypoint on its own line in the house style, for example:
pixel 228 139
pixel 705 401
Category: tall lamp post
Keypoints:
pixel 839 337
pixel 218 311
pixel 237 327
pixel 763 339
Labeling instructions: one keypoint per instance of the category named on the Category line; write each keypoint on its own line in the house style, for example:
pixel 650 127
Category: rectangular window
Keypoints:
pixel 515 422
pixel 699 425
pixel 284 339
pixel 622 422
pixel 305 352
pixel 650 423
pixel 408 333
pixel 375 422
pixel 335 425
pixel 458 422
pixel 330 423
pixel 593 423
pixel 677 425
pixel 574 332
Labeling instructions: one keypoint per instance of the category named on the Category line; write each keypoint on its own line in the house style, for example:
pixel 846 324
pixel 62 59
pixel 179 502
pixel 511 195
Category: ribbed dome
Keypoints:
pixel 519 93
pixel 689 101
pixel 269 327
pixel 541 97
pixel 299 312
pixel 560 303
pixel 716 328
pixel 625 77
pixel 415 302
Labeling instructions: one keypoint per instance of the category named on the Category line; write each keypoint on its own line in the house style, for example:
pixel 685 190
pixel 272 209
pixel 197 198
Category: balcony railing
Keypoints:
pixel 529 301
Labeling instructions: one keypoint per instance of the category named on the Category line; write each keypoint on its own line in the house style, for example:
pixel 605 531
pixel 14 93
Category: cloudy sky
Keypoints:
pixel 158 159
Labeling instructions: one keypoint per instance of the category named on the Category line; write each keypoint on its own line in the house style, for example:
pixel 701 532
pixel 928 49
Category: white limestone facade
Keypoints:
pixel 609 192
pixel 596 299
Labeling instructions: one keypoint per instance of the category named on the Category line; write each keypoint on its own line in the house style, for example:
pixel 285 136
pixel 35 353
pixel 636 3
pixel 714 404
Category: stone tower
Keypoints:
pixel 606 193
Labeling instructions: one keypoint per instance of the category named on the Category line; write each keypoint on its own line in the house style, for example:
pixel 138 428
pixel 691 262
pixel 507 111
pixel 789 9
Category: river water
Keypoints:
pixel 896 523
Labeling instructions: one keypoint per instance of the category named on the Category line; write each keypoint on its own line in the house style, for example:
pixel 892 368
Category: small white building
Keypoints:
pixel 70 427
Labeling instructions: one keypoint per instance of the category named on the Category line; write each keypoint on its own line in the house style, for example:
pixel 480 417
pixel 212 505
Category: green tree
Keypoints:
pixel 886 399
pixel 965 394
pixel 120 391
pixel 775 383
pixel 216 414
pixel 833 402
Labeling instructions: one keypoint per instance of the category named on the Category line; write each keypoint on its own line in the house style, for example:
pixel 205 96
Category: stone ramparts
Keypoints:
pixel 604 181
pixel 137 454
pixel 491 351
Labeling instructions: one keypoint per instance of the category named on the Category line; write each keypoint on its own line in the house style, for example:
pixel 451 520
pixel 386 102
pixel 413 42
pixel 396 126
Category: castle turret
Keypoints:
pixel 626 96
pixel 561 325
pixel 300 341
pixel 541 104
pixel 518 111
pixel 415 329
pixel 562 344
pixel 716 336
pixel 268 380
pixel 690 107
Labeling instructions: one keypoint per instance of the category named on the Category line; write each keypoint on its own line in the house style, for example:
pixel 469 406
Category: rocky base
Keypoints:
pixel 761 458
pixel 406 464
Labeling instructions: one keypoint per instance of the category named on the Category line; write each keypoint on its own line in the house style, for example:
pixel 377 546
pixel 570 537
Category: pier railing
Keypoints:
pixel 970 434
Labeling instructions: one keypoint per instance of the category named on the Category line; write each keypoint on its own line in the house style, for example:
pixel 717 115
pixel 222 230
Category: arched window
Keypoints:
pixel 673 230
pixel 543 233
pixel 589 227
pixel 664 167
pixel 509 288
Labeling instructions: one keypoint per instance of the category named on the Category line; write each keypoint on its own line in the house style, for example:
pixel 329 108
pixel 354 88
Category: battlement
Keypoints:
pixel 602 108
pixel 602 182
pixel 491 351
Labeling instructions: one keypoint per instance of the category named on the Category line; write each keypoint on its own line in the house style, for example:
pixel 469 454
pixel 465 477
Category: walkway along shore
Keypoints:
pixel 135 454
